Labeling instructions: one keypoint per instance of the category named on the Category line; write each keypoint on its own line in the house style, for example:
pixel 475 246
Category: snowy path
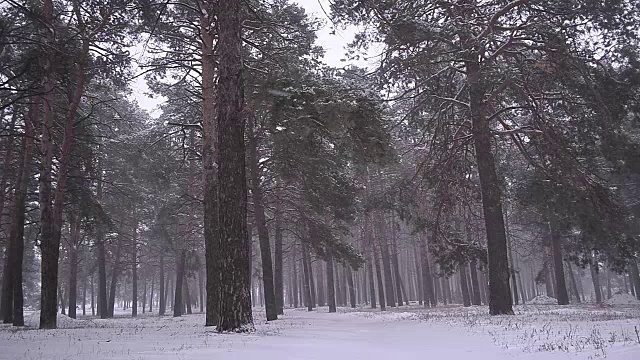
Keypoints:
pixel 450 333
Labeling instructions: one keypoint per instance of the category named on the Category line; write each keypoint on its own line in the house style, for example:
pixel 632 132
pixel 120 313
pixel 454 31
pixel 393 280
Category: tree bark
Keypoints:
pixel 381 298
pixel 595 277
pixel 294 275
pixel 161 292
pixel 499 289
pixel 475 300
pixel 114 277
pixel 279 276
pixel 427 284
pixel 635 277
pixel 307 278
pixel 177 300
pixel 16 231
pixel 151 293
pixel 187 295
pixel 466 299
pixel 574 284
pixel 558 266
pixel 210 175
pixel 235 286
pixel 386 262
pixel 394 260
pixel 261 224
pixel 352 288
pixel 331 291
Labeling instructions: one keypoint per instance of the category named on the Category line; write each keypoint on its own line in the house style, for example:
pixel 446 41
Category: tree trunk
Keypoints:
pixel 279 276
pixel 93 309
pixel 294 275
pixel 352 288
pixel 307 278
pixel 177 300
pixel 381 298
pixel 558 266
pixel 73 281
pixel 466 299
pixel 134 287
pixel 595 277
pixel 144 295
pixel 499 289
pixel 161 292
pixel 187 295
pixel 151 293
pixel 210 175
pixel 114 277
pixel 16 232
pixel 427 285
pixel 235 286
pixel 574 284
pixel 261 224
pixel 102 279
pixel 419 280
pixel 372 289
pixel 331 290
pixel 394 260
pixel 635 277
pixel 201 289
pixel 386 261
pixel 475 299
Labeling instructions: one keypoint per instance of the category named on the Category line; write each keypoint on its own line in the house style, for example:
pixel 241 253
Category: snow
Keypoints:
pixel 63 321
pixel 622 299
pixel 543 300
pixel 410 332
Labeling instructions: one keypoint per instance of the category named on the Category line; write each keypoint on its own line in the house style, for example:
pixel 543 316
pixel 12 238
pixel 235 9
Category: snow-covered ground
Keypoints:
pixel 535 332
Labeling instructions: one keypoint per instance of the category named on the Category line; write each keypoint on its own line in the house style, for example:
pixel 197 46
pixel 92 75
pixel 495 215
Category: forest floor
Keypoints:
pixel 409 332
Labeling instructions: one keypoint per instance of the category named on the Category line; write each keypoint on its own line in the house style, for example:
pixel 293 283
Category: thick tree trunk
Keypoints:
pixel 558 266
pixel 93 309
pixel 187 295
pixel 279 276
pixel 235 286
pixel 102 279
pixel 574 284
pixel 178 301
pixel 595 277
pixel 419 280
pixel 261 224
pixel 635 277
pixel 475 299
pixel 114 277
pixel 17 219
pixel 144 295
pixel 466 299
pixel 381 298
pixel 201 290
pixel 294 275
pixel 73 281
pixel 134 287
pixel 499 289
pixel 49 265
pixel 372 288
pixel 386 261
pixel 427 285
pixel 331 290
pixel 394 260
pixel 84 294
pixel 212 241
pixel 162 290
pixel 151 293
pixel 352 288
pixel 307 279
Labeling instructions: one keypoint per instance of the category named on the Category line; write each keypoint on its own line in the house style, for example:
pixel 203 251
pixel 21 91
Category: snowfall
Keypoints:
pixel 610 331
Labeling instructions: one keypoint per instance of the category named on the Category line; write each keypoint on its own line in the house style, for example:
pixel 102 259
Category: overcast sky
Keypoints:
pixel 334 45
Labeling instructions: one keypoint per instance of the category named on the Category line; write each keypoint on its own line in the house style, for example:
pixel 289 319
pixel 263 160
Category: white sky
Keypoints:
pixel 334 45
